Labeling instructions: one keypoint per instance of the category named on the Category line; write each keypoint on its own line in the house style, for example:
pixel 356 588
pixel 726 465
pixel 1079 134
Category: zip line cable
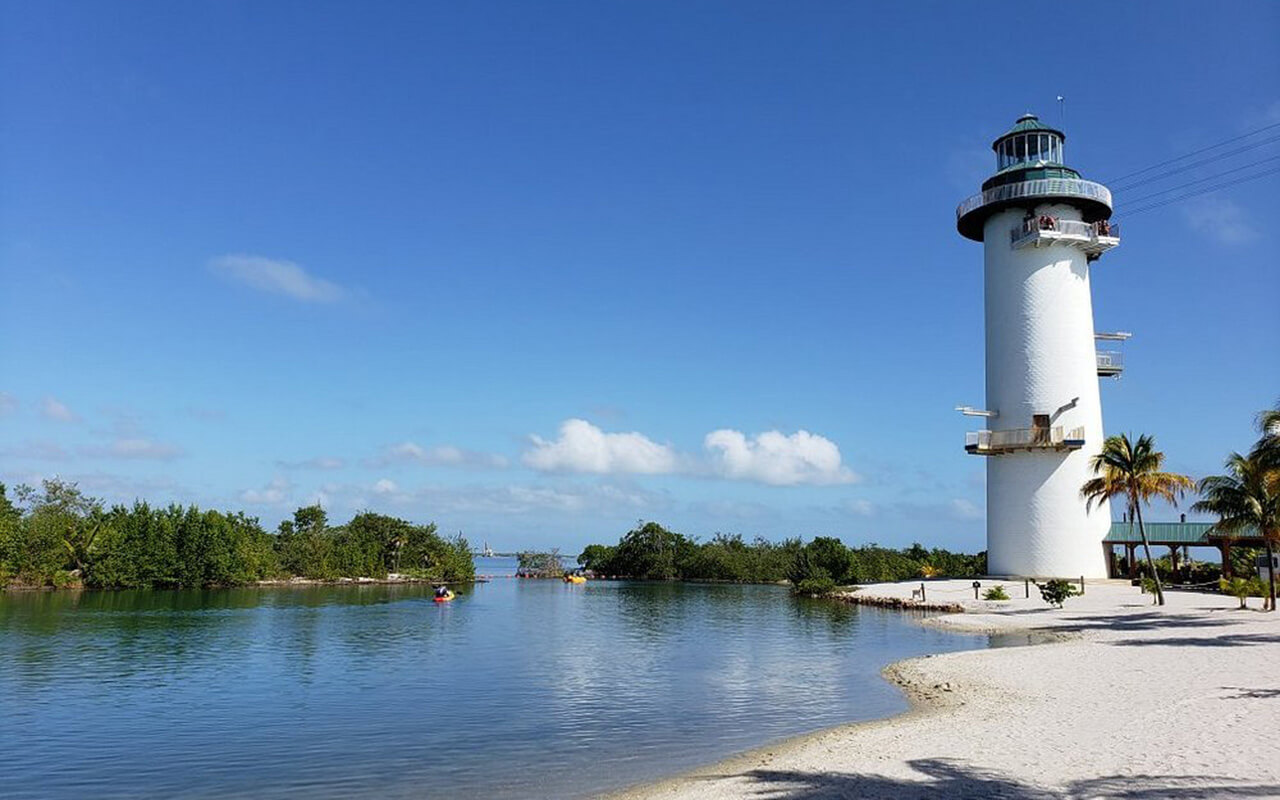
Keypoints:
pixel 1124 177
pixel 1198 192
pixel 1144 198
pixel 1200 163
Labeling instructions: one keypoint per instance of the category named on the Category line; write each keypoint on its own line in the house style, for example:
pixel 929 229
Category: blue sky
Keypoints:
pixel 535 271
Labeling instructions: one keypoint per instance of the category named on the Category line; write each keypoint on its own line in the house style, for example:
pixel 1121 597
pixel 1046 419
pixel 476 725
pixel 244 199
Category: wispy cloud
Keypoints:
pixel 273 494
pixel 277 276
pixel 860 507
pixel 36 451
pixel 1220 219
pixel 502 500
pixel 319 462
pixel 133 447
pixel 965 509
pixel 56 410
pixel 445 455
pixel 207 414
pixel 8 403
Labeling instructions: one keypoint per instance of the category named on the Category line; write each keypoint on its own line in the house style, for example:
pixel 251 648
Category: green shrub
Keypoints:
pixel 813 587
pixel 1242 588
pixel 1056 591
pixel 995 593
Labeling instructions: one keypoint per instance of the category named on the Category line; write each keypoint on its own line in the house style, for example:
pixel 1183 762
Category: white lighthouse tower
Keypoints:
pixel 1041 226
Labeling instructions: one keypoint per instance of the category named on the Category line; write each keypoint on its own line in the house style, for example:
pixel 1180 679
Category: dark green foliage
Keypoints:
pixel 142 547
pixel 597 557
pixel 58 537
pixel 1056 591
pixel 653 552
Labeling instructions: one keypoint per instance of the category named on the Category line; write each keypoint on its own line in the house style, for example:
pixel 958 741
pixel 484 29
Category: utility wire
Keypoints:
pixel 1144 198
pixel 1200 163
pixel 1194 153
pixel 1197 192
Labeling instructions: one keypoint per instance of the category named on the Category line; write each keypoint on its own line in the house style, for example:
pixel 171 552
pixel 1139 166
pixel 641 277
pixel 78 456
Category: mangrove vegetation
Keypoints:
pixel 57 536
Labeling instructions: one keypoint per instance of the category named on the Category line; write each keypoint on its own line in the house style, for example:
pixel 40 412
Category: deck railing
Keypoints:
pixel 1052 438
pixel 1043 187
pixel 1110 361
pixel 1067 227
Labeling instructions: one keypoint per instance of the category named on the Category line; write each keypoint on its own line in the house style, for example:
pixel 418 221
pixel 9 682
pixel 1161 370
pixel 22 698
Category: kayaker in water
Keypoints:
pixel 442 591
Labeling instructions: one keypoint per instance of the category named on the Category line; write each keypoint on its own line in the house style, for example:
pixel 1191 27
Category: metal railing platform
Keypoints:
pixel 1012 440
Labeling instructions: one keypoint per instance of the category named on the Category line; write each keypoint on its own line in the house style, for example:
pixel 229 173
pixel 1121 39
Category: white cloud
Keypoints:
pixel 385 486
pixel 777 459
pixel 1220 219
pixel 278 277
pixel 771 457
pixel 134 447
pixel 445 455
pixel 54 409
pixel 582 447
pixel 274 493
pixel 8 403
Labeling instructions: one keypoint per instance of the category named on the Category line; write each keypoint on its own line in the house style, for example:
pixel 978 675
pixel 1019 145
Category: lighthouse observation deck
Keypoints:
pixel 1091 197
pixel 1094 238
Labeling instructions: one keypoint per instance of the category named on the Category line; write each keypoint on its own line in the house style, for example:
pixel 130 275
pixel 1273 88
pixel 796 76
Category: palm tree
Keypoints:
pixel 1132 470
pixel 1249 495
pixel 1267 449
pixel 1245 498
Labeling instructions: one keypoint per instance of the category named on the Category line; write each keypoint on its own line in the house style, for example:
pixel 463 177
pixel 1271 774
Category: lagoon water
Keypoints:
pixel 516 689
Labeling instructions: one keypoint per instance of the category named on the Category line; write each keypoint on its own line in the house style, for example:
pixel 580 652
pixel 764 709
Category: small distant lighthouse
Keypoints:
pixel 1041 226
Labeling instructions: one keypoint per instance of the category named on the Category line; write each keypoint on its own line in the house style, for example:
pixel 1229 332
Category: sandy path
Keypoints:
pixel 1182 702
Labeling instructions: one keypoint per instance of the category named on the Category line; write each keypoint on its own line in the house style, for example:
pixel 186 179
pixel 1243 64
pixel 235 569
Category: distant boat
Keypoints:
pixel 487 552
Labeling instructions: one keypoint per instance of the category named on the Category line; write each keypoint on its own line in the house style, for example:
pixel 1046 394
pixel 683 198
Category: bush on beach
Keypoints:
pixel 1056 591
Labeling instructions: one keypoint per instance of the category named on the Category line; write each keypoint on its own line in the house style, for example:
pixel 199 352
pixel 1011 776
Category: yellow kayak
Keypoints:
pixel 446 598
pixel 574 579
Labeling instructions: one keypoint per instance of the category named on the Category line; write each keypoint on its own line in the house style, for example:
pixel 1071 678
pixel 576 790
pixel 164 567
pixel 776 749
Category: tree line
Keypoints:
pixel 57 536
pixel 651 552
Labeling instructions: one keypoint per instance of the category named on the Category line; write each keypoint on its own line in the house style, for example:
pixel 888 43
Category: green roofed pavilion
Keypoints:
pixel 1174 535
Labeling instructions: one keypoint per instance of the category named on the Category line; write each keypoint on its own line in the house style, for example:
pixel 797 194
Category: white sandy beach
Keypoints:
pixel 1134 702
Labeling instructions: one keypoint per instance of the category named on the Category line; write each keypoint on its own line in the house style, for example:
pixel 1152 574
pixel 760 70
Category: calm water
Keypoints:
pixel 516 689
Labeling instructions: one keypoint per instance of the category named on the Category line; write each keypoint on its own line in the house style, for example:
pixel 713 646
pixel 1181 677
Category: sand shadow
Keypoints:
pixel 954 780
pixel 1143 621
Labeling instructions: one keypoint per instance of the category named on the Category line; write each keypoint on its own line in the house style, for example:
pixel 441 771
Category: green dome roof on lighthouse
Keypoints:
pixel 1030 122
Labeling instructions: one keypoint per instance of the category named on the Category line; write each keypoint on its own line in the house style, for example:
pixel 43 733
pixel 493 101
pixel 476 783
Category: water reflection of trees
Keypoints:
pixel 155 637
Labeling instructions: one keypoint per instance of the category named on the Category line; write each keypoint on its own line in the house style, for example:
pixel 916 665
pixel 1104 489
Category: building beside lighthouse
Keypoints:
pixel 1042 226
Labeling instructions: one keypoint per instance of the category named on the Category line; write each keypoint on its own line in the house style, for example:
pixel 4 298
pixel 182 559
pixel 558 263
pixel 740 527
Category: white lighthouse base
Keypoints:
pixel 1037 525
